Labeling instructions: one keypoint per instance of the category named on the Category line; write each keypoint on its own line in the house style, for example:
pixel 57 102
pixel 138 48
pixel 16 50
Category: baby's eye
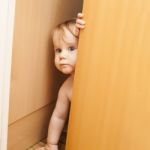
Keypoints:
pixel 71 48
pixel 58 50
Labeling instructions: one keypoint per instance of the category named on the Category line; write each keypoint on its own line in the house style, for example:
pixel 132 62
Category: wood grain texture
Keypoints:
pixel 111 98
pixel 34 79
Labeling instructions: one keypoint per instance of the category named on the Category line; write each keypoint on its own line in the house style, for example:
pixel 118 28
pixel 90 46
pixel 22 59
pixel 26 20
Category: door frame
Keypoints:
pixel 7 17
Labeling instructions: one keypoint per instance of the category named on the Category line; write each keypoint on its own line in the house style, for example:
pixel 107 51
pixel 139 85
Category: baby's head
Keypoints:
pixel 65 40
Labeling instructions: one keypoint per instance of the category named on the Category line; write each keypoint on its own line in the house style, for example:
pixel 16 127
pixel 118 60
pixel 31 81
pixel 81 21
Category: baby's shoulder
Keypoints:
pixel 66 84
pixel 66 87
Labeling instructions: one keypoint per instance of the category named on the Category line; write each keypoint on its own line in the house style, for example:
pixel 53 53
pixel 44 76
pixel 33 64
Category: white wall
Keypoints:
pixel 7 11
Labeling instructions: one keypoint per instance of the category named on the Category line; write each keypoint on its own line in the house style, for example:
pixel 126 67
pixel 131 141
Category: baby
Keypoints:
pixel 65 40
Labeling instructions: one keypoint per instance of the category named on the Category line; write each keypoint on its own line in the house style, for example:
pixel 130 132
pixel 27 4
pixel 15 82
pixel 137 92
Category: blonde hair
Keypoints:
pixel 60 30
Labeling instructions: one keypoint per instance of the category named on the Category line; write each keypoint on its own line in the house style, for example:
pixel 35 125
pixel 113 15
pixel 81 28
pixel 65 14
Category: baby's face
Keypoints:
pixel 65 54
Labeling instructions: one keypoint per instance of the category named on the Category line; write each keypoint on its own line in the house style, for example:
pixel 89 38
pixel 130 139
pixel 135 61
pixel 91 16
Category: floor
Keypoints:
pixel 42 143
pixel 61 144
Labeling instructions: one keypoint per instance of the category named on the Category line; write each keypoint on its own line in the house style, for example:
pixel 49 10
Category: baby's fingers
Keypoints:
pixel 80 15
pixel 80 26
pixel 80 21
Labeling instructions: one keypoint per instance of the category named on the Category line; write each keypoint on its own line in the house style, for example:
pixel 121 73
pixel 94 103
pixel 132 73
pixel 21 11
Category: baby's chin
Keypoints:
pixel 67 70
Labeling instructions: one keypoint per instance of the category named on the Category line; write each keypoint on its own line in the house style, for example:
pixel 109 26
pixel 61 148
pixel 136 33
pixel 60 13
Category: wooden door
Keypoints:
pixel 111 99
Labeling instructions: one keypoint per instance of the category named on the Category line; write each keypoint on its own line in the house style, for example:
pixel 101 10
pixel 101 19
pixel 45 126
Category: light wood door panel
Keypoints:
pixel 111 99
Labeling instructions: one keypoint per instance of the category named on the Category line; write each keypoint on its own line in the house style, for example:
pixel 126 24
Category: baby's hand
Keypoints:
pixel 48 147
pixel 80 23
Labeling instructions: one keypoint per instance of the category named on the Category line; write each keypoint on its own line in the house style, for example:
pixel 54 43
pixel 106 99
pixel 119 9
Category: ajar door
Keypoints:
pixel 111 98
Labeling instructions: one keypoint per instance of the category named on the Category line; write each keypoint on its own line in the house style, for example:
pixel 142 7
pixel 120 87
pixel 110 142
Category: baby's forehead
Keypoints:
pixel 61 43
pixel 64 37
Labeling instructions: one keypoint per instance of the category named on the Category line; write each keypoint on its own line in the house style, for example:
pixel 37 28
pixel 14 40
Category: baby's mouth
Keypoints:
pixel 64 65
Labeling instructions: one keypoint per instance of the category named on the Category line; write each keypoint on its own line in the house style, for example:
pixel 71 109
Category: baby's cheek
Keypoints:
pixel 56 63
pixel 74 59
pixel 56 59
